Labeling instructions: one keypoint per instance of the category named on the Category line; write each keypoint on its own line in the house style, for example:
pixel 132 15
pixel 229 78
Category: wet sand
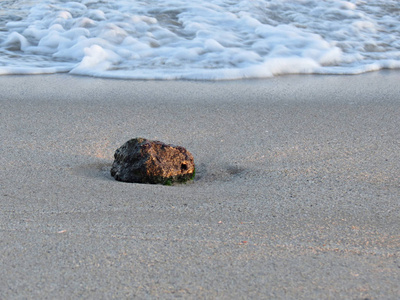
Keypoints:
pixel 296 193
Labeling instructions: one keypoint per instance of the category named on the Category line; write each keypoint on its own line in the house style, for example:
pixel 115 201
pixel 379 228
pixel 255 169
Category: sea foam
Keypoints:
pixel 209 40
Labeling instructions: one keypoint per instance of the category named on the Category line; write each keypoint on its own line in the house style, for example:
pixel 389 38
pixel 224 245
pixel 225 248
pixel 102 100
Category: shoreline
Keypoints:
pixel 295 196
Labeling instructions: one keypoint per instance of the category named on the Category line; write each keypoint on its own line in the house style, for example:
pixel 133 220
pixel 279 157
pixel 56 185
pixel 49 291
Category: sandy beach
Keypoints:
pixel 296 196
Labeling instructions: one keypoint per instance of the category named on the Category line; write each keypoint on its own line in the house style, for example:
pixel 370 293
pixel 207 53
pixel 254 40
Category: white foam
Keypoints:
pixel 207 39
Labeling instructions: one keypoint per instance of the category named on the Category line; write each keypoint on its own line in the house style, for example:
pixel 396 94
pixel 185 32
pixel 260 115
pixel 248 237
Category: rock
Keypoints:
pixel 145 161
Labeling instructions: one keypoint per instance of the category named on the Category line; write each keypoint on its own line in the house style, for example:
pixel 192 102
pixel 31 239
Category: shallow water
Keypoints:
pixel 218 39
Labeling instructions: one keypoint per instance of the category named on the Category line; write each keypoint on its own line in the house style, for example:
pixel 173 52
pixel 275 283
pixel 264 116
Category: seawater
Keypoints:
pixel 207 40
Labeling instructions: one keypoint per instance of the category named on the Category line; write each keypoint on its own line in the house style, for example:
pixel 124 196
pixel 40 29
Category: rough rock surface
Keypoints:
pixel 145 161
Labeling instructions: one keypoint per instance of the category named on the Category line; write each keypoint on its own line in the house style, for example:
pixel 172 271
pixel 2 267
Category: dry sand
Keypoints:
pixel 297 194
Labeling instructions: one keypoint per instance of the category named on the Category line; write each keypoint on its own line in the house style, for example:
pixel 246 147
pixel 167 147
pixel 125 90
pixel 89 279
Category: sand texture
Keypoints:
pixel 296 196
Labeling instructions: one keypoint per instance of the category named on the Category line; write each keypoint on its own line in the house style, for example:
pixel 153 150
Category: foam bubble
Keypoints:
pixel 212 40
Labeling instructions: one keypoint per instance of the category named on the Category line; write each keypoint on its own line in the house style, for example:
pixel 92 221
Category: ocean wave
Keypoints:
pixel 207 40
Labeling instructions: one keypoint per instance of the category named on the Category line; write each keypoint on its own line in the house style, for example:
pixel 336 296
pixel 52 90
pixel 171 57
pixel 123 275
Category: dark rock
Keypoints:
pixel 145 161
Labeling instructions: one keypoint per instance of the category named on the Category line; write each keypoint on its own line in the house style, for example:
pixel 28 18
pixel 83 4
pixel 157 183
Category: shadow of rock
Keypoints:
pixel 100 170
pixel 204 173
